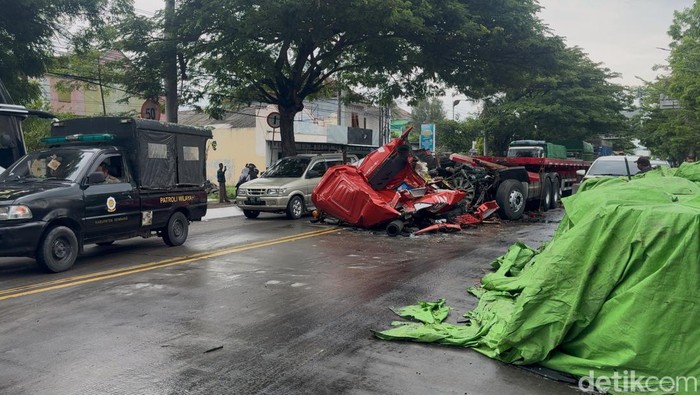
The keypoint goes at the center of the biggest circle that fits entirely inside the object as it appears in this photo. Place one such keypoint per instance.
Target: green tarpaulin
(614, 294)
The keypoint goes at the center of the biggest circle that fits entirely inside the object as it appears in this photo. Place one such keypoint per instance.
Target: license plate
(254, 201)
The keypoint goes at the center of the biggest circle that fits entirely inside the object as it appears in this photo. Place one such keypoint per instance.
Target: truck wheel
(295, 208)
(546, 194)
(252, 214)
(510, 196)
(58, 250)
(394, 228)
(176, 232)
(556, 192)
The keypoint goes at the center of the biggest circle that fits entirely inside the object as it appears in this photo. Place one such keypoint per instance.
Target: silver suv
(287, 185)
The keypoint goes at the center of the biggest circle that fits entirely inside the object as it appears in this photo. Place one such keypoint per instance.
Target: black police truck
(100, 180)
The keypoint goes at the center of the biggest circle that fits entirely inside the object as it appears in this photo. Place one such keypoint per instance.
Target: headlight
(15, 212)
(277, 191)
(242, 191)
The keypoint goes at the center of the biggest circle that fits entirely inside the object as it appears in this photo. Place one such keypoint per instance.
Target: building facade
(244, 136)
(92, 98)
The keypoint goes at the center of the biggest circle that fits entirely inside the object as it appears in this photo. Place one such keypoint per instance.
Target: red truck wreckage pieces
(386, 190)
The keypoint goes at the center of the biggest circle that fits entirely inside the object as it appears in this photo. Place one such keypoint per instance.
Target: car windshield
(525, 152)
(293, 166)
(63, 164)
(617, 167)
(612, 168)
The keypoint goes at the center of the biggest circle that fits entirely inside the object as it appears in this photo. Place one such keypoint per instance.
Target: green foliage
(457, 136)
(675, 133)
(34, 129)
(427, 111)
(574, 100)
(27, 29)
(283, 51)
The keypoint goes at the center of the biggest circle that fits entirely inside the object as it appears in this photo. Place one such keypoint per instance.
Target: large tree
(283, 51)
(674, 130)
(575, 100)
(427, 111)
(29, 31)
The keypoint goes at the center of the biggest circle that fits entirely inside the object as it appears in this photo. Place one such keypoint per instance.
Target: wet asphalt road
(253, 306)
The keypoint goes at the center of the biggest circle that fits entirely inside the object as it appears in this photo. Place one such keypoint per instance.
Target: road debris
(213, 349)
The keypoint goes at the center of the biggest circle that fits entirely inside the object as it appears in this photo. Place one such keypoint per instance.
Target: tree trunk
(287, 130)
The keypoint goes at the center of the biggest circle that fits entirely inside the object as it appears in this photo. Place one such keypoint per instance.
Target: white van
(286, 186)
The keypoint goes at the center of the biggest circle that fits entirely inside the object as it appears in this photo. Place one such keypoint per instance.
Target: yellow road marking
(31, 289)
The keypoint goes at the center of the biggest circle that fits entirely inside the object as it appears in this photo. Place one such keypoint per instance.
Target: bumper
(20, 239)
(262, 203)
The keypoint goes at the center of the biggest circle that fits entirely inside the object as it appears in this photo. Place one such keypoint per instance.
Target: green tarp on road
(615, 292)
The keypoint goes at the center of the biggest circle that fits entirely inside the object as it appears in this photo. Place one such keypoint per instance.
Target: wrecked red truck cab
(384, 189)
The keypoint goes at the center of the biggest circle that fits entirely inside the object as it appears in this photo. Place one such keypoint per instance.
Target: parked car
(286, 186)
(615, 166)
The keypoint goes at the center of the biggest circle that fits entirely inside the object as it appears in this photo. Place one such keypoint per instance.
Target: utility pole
(99, 81)
(170, 59)
(340, 104)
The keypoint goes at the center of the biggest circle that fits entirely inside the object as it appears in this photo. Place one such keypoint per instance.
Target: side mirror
(312, 174)
(96, 178)
(580, 173)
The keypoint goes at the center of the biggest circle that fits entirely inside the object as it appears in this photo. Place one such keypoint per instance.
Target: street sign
(274, 120)
(150, 110)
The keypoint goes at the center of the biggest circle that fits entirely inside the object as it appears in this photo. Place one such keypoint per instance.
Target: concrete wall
(234, 148)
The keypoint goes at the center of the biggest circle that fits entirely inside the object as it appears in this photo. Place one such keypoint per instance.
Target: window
(64, 96)
(290, 166)
(355, 120)
(157, 151)
(115, 168)
(332, 163)
(190, 153)
(319, 167)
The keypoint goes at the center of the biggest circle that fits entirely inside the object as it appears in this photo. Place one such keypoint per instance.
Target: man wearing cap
(643, 164)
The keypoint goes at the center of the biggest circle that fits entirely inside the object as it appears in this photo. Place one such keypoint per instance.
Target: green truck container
(577, 149)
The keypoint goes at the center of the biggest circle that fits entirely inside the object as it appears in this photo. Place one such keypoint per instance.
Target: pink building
(91, 99)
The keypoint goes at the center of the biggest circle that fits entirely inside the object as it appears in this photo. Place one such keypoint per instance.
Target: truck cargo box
(162, 155)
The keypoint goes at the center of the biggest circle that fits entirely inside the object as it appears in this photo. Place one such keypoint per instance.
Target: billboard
(427, 136)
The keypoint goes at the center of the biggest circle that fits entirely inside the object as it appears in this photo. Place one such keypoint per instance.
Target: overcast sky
(624, 35)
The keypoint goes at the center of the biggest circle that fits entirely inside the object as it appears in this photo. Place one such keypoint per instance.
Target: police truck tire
(295, 208)
(510, 196)
(176, 232)
(252, 214)
(58, 250)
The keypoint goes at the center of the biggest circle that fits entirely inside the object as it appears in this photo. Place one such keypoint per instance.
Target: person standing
(643, 164)
(245, 176)
(221, 179)
(253, 172)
